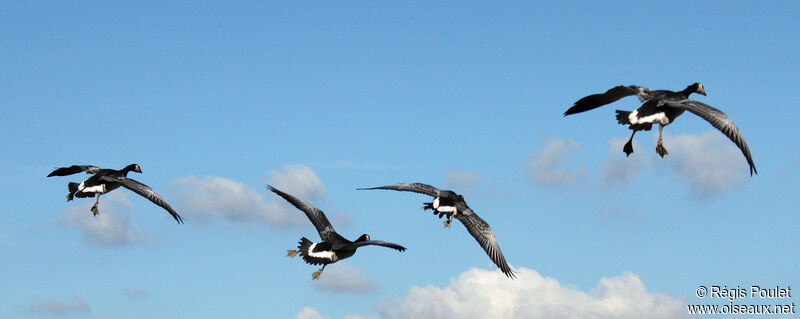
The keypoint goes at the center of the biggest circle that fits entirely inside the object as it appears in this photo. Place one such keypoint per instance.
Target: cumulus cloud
(309, 313)
(299, 181)
(54, 307)
(466, 182)
(480, 293)
(344, 278)
(547, 166)
(709, 161)
(111, 227)
(214, 197)
(620, 169)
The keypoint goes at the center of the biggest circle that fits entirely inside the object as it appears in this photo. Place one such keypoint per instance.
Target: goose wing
(377, 243)
(146, 192)
(481, 231)
(316, 216)
(597, 100)
(64, 171)
(410, 187)
(719, 120)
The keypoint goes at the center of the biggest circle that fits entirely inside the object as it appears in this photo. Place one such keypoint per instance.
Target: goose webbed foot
(628, 148)
(661, 150)
(94, 209)
(315, 275)
(448, 222)
(291, 253)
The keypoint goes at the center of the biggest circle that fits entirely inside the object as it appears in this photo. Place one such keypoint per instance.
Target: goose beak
(701, 90)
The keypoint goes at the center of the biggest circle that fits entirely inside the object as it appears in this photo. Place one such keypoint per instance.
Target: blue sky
(214, 100)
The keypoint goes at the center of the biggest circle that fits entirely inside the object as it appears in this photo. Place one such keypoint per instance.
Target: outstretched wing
(146, 192)
(412, 187)
(721, 121)
(597, 100)
(64, 171)
(316, 216)
(481, 231)
(377, 243)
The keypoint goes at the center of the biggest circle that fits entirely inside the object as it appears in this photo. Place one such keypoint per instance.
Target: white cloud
(480, 293)
(546, 167)
(620, 169)
(465, 182)
(300, 181)
(53, 307)
(709, 161)
(223, 198)
(218, 197)
(309, 313)
(111, 227)
(344, 278)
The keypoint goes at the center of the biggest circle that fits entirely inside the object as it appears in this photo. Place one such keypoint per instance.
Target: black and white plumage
(449, 203)
(105, 180)
(333, 246)
(662, 107)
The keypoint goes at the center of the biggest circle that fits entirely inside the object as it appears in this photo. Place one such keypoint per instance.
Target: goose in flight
(333, 246)
(105, 180)
(662, 107)
(449, 203)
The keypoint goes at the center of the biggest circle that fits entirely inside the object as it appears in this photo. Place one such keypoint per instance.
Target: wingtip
(510, 273)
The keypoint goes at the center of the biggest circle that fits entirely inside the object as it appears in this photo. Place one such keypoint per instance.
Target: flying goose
(449, 203)
(662, 107)
(105, 180)
(333, 246)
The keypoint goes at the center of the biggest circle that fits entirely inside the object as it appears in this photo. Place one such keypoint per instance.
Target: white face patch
(320, 254)
(659, 117)
(435, 203)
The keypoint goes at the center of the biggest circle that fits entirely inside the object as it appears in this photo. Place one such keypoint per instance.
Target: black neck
(688, 90)
(127, 169)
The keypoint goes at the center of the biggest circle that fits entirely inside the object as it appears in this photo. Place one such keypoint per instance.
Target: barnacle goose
(333, 246)
(662, 107)
(105, 180)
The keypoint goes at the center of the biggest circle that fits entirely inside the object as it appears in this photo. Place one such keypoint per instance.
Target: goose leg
(448, 221)
(315, 275)
(628, 148)
(94, 209)
(291, 253)
(660, 149)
